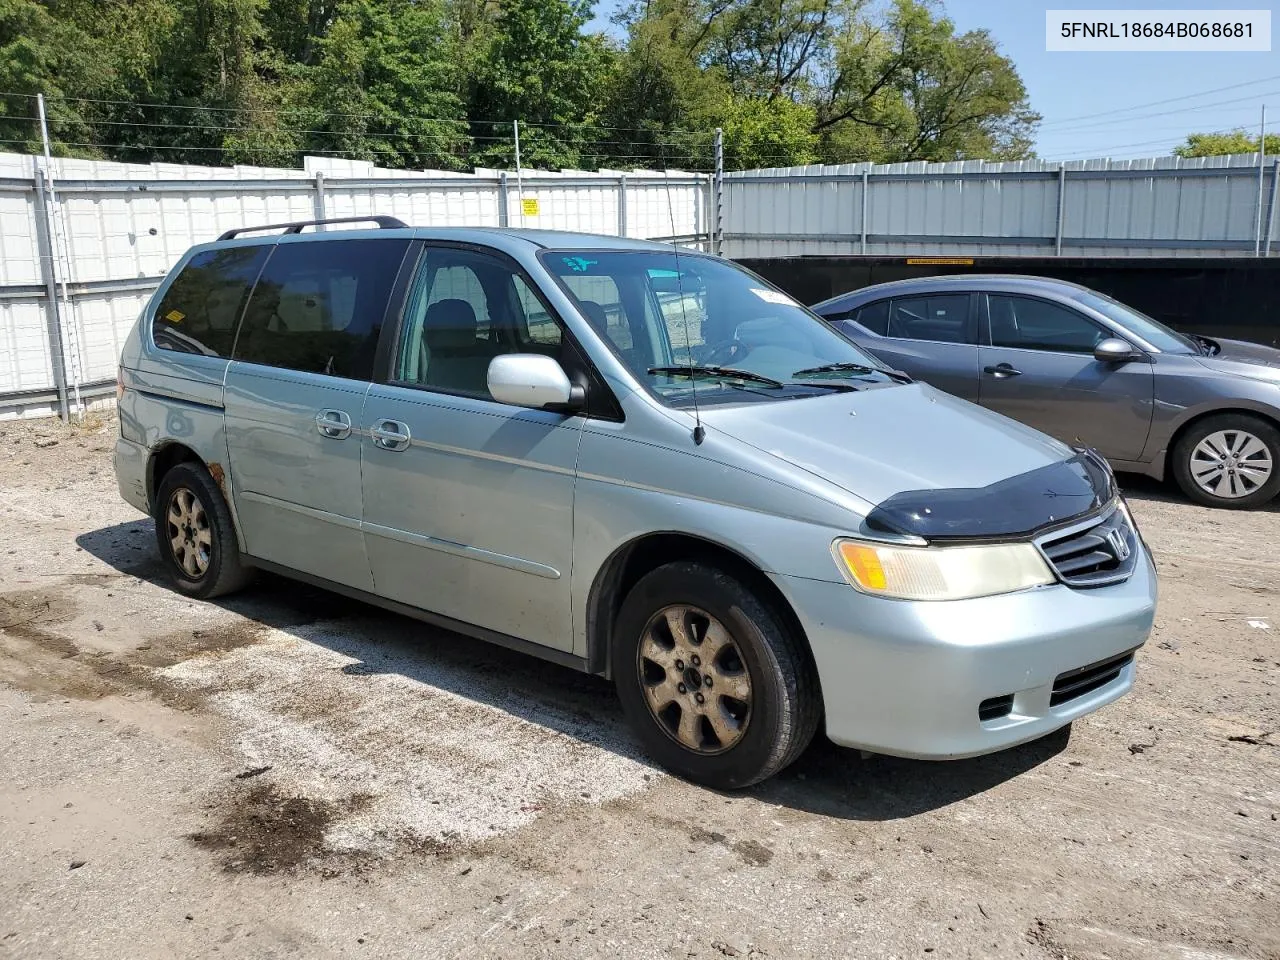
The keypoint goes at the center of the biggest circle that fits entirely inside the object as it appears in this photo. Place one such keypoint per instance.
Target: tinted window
(874, 316)
(454, 326)
(318, 306)
(202, 306)
(1039, 325)
(944, 318)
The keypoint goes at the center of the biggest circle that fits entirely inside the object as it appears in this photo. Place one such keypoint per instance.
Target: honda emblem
(1119, 543)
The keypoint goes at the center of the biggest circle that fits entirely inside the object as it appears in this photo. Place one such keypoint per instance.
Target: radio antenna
(699, 432)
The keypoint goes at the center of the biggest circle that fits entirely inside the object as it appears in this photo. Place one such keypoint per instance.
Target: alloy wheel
(1231, 464)
(190, 536)
(694, 679)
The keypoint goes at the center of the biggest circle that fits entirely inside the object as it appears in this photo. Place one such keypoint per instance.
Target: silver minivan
(638, 461)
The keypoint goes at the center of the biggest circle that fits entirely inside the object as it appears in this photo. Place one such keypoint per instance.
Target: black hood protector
(1018, 505)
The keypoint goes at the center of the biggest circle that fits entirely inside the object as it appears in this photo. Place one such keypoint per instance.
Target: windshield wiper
(1207, 347)
(853, 368)
(706, 370)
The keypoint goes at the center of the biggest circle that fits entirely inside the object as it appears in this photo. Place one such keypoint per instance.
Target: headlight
(941, 573)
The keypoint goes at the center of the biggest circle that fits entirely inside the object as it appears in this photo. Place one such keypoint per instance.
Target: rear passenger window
(874, 316)
(942, 318)
(202, 306)
(318, 306)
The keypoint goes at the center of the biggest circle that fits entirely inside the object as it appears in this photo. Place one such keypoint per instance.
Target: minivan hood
(1245, 359)
(887, 441)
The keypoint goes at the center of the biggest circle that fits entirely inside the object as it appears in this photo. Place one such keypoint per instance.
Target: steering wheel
(723, 352)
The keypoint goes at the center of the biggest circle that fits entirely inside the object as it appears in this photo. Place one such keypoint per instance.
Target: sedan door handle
(1002, 370)
(390, 434)
(334, 424)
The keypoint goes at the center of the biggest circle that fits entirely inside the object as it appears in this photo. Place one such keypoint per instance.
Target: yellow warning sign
(529, 206)
(175, 316)
(946, 261)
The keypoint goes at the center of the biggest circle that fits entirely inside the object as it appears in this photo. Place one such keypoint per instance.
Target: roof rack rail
(384, 223)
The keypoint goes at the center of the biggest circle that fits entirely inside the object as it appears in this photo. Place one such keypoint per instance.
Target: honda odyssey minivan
(638, 461)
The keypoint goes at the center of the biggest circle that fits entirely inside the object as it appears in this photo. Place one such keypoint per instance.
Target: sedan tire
(1229, 460)
(715, 683)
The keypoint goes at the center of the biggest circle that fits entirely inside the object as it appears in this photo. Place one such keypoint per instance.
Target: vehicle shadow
(827, 780)
(1137, 486)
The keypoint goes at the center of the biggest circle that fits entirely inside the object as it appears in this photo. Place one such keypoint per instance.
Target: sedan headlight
(941, 573)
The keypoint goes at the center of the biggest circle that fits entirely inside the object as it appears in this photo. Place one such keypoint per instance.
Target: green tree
(42, 50)
(768, 133)
(1225, 142)
(909, 88)
(533, 63)
(385, 87)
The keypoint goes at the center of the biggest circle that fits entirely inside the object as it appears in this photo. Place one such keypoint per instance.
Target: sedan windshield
(686, 322)
(1149, 329)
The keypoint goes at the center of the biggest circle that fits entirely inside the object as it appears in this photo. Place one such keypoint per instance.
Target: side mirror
(533, 380)
(1115, 350)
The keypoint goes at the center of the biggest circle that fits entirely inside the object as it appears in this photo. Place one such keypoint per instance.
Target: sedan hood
(921, 450)
(1245, 359)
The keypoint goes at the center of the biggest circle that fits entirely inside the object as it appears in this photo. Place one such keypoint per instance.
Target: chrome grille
(1093, 554)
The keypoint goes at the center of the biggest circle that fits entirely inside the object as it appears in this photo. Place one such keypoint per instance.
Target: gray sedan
(1086, 369)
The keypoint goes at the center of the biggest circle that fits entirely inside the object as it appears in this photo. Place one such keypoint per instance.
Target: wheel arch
(631, 561)
(163, 458)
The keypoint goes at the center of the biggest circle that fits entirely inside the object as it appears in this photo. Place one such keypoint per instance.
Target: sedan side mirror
(533, 380)
(1115, 350)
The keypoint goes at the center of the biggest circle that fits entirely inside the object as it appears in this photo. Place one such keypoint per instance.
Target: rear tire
(1230, 460)
(195, 535)
(713, 681)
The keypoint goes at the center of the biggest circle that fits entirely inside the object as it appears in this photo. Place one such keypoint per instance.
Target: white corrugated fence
(116, 228)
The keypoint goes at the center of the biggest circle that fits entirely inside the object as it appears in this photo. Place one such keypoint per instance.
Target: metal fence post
(1271, 209)
(504, 202)
(49, 274)
(717, 194)
(622, 204)
(866, 189)
(318, 204)
(1062, 210)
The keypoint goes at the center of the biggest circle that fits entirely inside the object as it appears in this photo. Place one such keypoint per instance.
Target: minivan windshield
(690, 322)
(1148, 328)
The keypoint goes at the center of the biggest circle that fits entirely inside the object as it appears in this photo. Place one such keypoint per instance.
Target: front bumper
(907, 678)
(130, 462)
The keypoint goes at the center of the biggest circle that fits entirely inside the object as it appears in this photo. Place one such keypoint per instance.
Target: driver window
(464, 309)
(1028, 324)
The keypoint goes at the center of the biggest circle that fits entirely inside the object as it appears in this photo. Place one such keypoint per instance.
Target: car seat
(452, 355)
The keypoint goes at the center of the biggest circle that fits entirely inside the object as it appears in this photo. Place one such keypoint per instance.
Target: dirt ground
(290, 773)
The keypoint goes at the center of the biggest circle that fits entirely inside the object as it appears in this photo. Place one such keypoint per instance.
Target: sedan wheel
(1231, 464)
(1229, 460)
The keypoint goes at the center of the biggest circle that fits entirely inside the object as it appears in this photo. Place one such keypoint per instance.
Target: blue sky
(1080, 94)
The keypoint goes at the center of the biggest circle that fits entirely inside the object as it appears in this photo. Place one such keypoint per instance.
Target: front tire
(196, 537)
(713, 681)
(1230, 460)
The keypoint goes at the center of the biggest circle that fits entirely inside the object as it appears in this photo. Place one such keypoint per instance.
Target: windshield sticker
(773, 296)
(175, 316)
(578, 264)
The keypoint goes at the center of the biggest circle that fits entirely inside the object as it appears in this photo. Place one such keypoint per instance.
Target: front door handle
(390, 434)
(334, 424)
(1002, 370)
